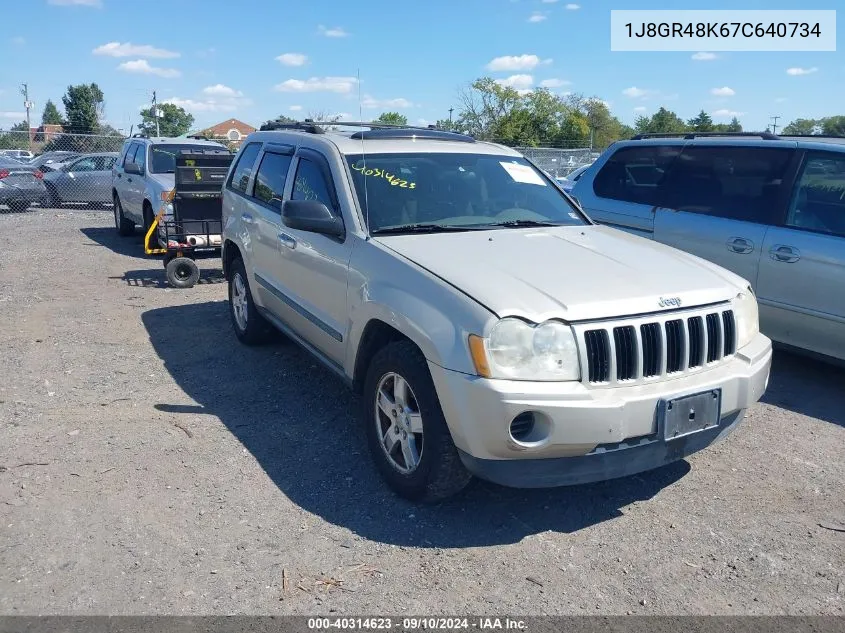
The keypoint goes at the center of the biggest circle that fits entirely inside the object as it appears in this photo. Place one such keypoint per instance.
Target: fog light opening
(529, 428)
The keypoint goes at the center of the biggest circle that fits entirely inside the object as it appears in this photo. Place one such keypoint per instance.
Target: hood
(574, 273)
(165, 181)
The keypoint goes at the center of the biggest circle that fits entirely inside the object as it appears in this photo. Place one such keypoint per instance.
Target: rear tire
(124, 227)
(439, 472)
(53, 199)
(250, 326)
(182, 272)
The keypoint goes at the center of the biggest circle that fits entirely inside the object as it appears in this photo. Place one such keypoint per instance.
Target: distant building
(231, 132)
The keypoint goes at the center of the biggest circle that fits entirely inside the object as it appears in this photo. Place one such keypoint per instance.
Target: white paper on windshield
(523, 173)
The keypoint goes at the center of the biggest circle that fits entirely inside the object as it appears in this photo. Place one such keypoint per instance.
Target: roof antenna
(363, 159)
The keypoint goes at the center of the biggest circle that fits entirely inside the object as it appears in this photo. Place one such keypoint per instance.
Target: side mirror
(312, 216)
(134, 168)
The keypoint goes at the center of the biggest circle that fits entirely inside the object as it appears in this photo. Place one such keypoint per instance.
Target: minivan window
(310, 184)
(243, 168)
(270, 179)
(633, 174)
(819, 200)
(741, 183)
(456, 191)
(130, 153)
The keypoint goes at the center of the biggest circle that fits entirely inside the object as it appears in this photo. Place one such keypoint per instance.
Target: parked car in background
(84, 179)
(568, 181)
(20, 185)
(771, 209)
(490, 327)
(144, 175)
(48, 161)
(18, 154)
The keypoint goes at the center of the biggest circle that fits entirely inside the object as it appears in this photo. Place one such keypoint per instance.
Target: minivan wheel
(407, 433)
(251, 328)
(124, 227)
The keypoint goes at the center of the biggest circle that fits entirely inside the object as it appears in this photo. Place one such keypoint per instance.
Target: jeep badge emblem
(665, 302)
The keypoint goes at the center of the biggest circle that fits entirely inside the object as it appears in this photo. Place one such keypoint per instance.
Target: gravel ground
(151, 465)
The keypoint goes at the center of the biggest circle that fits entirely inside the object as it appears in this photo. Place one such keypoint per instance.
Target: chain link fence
(54, 169)
(559, 162)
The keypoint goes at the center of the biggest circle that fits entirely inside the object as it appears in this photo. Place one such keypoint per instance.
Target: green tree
(172, 120)
(484, 106)
(801, 127)
(16, 138)
(833, 126)
(51, 114)
(702, 122)
(446, 124)
(392, 118)
(83, 107)
(661, 122)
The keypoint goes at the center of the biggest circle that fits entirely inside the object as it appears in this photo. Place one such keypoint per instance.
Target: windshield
(456, 190)
(163, 157)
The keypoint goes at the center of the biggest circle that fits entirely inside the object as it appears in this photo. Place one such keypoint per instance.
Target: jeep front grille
(656, 346)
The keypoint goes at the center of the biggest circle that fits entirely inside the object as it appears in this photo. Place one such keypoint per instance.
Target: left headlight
(517, 350)
(747, 317)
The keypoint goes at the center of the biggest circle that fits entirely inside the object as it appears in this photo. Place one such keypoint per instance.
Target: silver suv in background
(143, 177)
(769, 208)
(490, 327)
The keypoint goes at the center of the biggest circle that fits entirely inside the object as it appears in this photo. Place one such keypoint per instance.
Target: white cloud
(76, 3)
(573, 7)
(795, 72)
(340, 85)
(727, 114)
(18, 41)
(554, 83)
(209, 105)
(640, 109)
(118, 49)
(516, 62)
(423, 122)
(549, 1)
(295, 108)
(292, 59)
(19, 116)
(636, 93)
(371, 104)
(219, 90)
(723, 92)
(333, 32)
(536, 17)
(520, 82)
(780, 99)
(704, 57)
(142, 67)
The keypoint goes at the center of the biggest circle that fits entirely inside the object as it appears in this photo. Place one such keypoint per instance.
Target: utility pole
(155, 113)
(450, 114)
(28, 105)
(775, 124)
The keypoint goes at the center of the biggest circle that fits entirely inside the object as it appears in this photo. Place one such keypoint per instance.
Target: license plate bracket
(682, 416)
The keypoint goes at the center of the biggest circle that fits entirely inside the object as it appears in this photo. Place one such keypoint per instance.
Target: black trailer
(190, 223)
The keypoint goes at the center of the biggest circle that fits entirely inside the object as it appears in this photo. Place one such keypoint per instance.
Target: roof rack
(691, 135)
(836, 136)
(375, 130)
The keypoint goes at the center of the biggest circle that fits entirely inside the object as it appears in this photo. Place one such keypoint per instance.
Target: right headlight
(517, 350)
(747, 317)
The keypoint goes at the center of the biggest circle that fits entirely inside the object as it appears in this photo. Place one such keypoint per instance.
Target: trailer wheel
(182, 272)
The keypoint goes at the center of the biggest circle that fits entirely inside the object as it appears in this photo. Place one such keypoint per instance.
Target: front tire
(53, 199)
(407, 433)
(124, 227)
(250, 327)
(182, 272)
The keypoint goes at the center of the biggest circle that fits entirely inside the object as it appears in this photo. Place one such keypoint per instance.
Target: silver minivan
(769, 208)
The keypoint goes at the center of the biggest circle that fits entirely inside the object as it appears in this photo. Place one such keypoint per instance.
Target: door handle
(784, 253)
(247, 218)
(287, 240)
(740, 245)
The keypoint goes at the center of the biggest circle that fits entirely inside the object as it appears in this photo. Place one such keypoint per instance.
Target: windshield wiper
(520, 223)
(427, 227)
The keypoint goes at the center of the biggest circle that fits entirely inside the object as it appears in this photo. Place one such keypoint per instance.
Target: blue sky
(256, 59)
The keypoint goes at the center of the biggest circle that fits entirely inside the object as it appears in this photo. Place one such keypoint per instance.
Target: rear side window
(243, 168)
(819, 200)
(310, 184)
(130, 154)
(633, 174)
(740, 183)
(270, 179)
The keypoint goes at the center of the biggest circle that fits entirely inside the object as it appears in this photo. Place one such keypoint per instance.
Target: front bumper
(591, 434)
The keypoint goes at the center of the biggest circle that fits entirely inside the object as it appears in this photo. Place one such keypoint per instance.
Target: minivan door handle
(740, 245)
(287, 240)
(784, 253)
